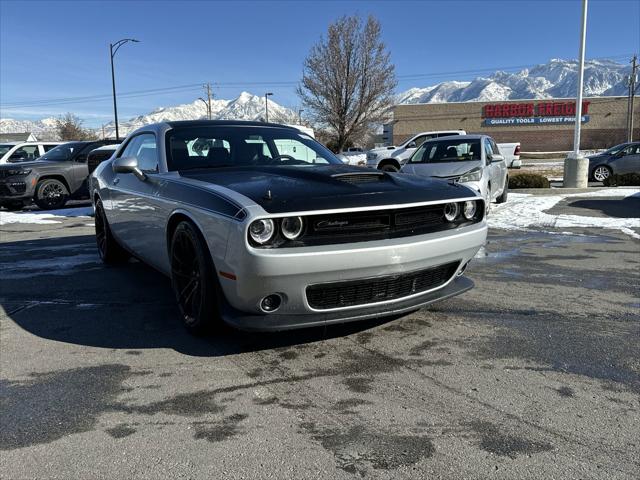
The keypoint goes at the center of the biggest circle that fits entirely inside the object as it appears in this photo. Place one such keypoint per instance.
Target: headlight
(451, 211)
(261, 231)
(291, 227)
(469, 209)
(16, 172)
(471, 176)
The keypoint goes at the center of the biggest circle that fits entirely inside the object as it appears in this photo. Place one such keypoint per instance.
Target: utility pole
(632, 94)
(208, 87)
(266, 105)
(576, 166)
(300, 110)
(103, 135)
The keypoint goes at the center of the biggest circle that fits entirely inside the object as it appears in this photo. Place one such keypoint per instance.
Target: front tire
(51, 194)
(503, 197)
(193, 280)
(601, 173)
(389, 167)
(109, 250)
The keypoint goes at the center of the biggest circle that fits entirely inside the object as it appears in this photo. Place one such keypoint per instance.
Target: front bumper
(15, 188)
(277, 322)
(288, 272)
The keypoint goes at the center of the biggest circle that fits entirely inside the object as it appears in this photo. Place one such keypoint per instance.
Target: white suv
(390, 159)
(14, 152)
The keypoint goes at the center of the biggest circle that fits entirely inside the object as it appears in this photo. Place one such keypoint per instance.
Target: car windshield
(445, 151)
(616, 149)
(62, 152)
(242, 146)
(4, 149)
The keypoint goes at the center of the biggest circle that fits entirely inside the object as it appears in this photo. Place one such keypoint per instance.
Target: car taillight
(517, 150)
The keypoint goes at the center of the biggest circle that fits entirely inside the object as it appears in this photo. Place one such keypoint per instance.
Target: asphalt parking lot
(535, 373)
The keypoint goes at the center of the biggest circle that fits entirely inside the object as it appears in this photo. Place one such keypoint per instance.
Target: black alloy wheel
(51, 194)
(108, 248)
(194, 284)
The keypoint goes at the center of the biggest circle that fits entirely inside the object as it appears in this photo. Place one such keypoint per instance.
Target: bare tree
(69, 127)
(348, 80)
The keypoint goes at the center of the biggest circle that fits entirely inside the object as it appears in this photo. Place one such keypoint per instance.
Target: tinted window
(143, 147)
(48, 147)
(63, 152)
(225, 146)
(4, 149)
(443, 151)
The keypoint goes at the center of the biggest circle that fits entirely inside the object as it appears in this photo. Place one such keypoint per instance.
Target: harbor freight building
(544, 125)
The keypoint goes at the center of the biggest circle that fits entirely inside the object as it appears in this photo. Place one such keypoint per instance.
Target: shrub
(528, 180)
(624, 180)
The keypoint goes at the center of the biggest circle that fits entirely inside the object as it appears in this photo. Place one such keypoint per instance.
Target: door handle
(116, 181)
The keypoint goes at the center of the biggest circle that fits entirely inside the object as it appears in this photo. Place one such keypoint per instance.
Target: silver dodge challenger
(261, 227)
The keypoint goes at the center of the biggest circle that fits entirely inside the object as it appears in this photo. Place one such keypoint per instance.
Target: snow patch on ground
(44, 217)
(525, 211)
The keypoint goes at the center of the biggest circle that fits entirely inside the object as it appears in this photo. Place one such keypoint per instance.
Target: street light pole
(300, 110)
(576, 166)
(266, 105)
(113, 48)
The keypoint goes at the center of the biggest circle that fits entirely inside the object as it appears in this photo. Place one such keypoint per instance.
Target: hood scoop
(355, 178)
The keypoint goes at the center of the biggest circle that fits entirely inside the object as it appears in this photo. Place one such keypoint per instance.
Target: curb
(615, 191)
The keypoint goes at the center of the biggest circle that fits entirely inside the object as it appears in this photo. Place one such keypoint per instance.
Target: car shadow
(628, 207)
(58, 289)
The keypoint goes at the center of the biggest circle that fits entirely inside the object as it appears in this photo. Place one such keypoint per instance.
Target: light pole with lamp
(113, 48)
(576, 166)
(266, 105)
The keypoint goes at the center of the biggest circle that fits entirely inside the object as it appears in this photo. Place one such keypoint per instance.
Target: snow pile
(44, 217)
(525, 211)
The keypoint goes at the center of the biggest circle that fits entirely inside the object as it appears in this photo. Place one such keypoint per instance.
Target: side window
(24, 154)
(48, 147)
(144, 148)
(421, 139)
(297, 150)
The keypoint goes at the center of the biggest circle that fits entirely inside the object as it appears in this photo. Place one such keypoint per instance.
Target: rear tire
(51, 194)
(109, 250)
(503, 197)
(193, 280)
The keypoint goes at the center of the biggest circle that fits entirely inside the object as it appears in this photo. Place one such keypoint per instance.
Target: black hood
(294, 189)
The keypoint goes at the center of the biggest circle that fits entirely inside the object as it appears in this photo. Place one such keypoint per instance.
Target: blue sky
(59, 49)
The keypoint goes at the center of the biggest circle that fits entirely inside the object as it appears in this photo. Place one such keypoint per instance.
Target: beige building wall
(607, 125)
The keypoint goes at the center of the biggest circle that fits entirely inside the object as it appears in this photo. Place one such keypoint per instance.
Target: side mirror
(411, 145)
(496, 158)
(128, 165)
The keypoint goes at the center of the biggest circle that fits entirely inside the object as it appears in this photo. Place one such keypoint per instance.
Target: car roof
(226, 123)
(458, 137)
(31, 143)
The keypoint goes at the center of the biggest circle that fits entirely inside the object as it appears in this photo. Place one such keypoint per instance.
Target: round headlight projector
(261, 231)
(451, 211)
(291, 227)
(469, 210)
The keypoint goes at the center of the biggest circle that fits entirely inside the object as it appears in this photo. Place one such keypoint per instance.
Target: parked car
(472, 160)
(623, 158)
(268, 241)
(14, 152)
(353, 156)
(99, 155)
(51, 180)
(390, 159)
(511, 154)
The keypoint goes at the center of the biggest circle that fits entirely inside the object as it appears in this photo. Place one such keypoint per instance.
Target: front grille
(379, 289)
(375, 224)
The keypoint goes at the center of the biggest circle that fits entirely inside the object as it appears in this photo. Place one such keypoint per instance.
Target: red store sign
(540, 109)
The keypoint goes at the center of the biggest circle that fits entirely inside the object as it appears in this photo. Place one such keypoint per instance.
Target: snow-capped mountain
(245, 107)
(556, 79)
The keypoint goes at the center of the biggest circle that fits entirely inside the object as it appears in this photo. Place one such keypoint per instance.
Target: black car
(623, 158)
(51, 180)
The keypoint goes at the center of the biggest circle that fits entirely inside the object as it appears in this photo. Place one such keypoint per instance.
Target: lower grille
(379, 289)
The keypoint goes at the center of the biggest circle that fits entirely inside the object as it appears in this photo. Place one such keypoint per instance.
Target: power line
(228, 85)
